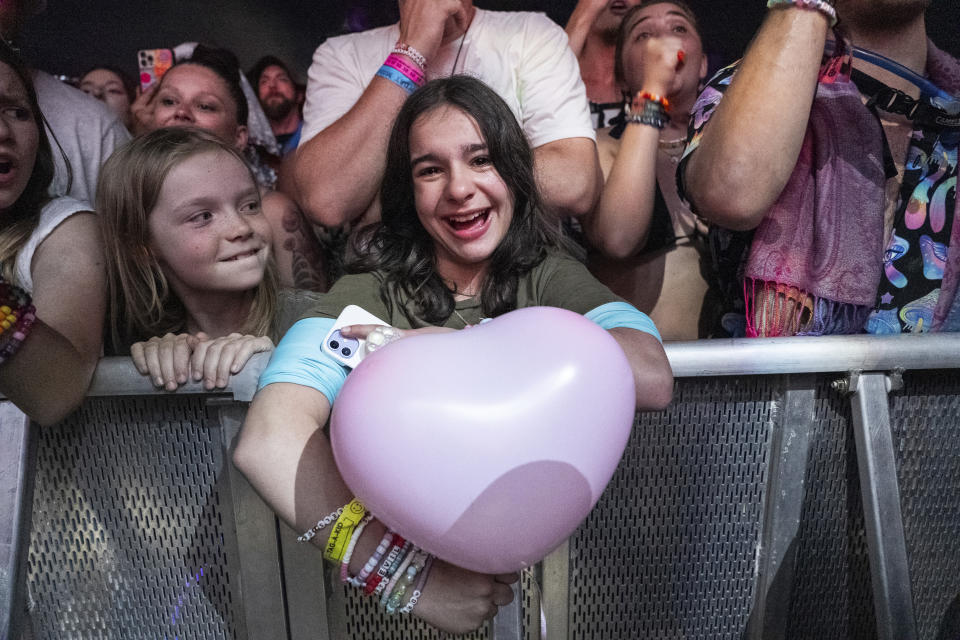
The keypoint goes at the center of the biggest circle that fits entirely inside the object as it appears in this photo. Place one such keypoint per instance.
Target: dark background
(69, 37)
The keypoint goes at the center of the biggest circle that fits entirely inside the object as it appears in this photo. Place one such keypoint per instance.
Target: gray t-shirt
(87, 131)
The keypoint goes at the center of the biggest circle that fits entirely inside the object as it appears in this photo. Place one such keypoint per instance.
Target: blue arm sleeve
(621, 314)
(298, 359)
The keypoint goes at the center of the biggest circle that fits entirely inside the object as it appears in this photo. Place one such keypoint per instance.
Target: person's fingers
(228, 355)
(181, 358)
(250, 346)
(502, 594)
(360, 331)
(196, 361)
(152, 359)
(211, 362)
(165, 355)
(139, 359)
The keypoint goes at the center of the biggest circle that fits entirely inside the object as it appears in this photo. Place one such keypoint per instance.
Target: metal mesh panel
(669, 551)
(926, 429)
(832, 598)
(130, 532)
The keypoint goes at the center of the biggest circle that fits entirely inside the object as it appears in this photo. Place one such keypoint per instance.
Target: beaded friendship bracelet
(418, 590)
(17, 315)
(376, 581)
(361, 579)
(345, 565)
(406, 50)
(403, 564)
(392, 570)
(397, 574)
(320, 526)
(409, 574)
(646, 95)
(823, 6)
(648, 112)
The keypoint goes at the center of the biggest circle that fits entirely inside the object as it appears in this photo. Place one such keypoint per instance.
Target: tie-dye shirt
(915, 258)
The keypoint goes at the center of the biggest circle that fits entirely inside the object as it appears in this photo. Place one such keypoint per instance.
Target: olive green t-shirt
(558, 281)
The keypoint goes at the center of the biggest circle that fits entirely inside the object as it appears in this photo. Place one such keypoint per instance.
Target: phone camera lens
(334, 345)
(346, 352)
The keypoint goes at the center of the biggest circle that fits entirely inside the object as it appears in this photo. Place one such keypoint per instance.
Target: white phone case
(348, 351)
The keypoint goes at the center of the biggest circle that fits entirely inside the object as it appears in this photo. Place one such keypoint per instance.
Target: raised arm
(556, 118)
(581, 21)
(752, 142)
(337, 173)
(619, 225)
(48, 377)
(568, 174)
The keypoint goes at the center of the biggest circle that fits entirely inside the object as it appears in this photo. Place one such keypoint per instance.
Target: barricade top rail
(117, 376)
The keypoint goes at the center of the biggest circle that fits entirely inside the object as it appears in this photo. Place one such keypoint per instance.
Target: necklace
(463, 39)
(462, 319)
(673, 148)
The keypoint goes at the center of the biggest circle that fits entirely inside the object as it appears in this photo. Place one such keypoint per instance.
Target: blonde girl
(193, 287)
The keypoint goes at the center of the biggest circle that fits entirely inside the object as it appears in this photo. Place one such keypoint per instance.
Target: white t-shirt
(87, 130)
(522, 56)
(52, 214)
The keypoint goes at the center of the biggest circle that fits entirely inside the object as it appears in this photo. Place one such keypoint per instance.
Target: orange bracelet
(646, 95)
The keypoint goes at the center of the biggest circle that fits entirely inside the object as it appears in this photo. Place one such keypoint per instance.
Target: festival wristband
(397, 78)
(342, 531)
(621, 314)
(412, 72)
(299, 359)
(824, 7)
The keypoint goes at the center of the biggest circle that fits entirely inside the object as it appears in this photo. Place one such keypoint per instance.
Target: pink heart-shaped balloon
(487, 447)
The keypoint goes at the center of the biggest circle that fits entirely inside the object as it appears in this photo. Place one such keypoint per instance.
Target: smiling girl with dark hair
(463, 238)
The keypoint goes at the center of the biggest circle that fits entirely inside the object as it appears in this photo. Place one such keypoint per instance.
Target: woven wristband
(397, 78)
(823, 6)
(342, 531)
(402, 65)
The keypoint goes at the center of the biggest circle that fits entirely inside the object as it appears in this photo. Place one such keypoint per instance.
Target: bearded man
(280, 100)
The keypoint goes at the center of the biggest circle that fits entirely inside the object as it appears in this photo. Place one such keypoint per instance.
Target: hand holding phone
(153, 63)
(345, 350)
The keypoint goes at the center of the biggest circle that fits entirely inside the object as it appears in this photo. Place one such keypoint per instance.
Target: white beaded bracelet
(406, 50)
(317, 528)
(822, 6)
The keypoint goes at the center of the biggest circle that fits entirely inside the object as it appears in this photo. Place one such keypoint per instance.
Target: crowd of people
(453, 167)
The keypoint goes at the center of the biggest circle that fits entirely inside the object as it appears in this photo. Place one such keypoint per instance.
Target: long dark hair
(19, 221)
(402, 250)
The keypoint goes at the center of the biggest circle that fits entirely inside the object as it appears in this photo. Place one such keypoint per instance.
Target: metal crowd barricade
(796, 488)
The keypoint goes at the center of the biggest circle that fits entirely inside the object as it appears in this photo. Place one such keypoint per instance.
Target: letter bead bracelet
(400, 561)
(823, 6)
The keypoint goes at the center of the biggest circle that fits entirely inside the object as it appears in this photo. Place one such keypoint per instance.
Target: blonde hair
(142, 303)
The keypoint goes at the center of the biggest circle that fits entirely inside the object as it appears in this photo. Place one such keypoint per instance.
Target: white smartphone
(348, 351)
